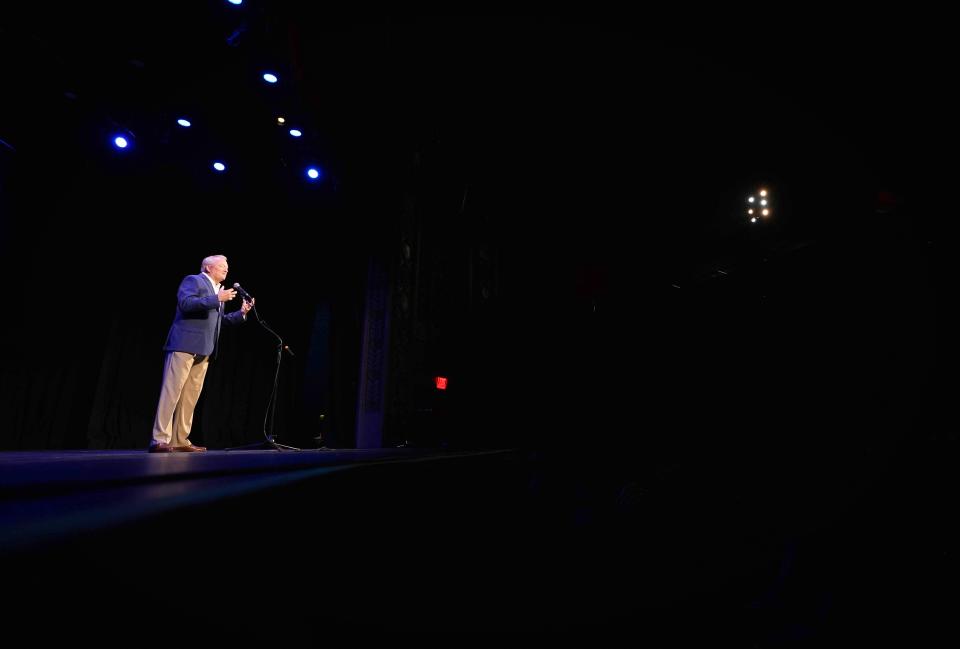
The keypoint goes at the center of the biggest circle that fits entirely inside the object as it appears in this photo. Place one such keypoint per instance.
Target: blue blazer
(196, 326)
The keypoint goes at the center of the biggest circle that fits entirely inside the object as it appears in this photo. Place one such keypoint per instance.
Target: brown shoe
(160, 447)
(189, 448)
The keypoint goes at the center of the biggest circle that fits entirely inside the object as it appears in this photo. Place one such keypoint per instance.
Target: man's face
(218, 271)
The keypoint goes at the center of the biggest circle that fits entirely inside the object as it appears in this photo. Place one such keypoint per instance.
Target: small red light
(441, 382)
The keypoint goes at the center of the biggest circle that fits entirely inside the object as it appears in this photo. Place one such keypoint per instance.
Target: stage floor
(431, 548)
(51, 495)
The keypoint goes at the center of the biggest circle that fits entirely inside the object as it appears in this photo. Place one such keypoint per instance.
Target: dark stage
(414, 547)
(598, 332)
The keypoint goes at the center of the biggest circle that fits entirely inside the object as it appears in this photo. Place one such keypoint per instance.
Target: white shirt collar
(216, 287)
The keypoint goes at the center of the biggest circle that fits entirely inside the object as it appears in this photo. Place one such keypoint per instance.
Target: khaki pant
(183, 378)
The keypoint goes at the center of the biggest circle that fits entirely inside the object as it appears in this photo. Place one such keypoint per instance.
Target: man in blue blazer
(191, 343)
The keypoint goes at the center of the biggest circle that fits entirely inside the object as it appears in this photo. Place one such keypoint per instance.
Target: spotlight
(219, 166)
(185, 123)
(751, 199)
(765, 212)
(753, 219)
(281, 121)
(295, 132)
(120, 142)
(235, 2)
(269, 77)
(313, 173)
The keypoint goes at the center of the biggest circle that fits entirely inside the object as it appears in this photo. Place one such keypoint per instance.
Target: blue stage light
(295, 132)
(313, 173)
(120, 142)
(184, 122)
(219, 166)
(269, 77)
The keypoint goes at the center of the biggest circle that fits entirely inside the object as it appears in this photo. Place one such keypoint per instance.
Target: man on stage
(191, 343)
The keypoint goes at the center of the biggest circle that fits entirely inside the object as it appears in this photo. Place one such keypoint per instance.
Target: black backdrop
(600, 167)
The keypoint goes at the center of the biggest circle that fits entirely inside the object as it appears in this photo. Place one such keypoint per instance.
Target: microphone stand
(269, 441)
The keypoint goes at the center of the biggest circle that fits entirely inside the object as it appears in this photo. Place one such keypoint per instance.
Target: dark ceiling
(577, 96)
(611, 122)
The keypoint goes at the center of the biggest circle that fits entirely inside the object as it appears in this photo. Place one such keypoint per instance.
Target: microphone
(239, 289)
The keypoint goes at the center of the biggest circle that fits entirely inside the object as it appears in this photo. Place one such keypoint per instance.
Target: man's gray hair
(209, 261)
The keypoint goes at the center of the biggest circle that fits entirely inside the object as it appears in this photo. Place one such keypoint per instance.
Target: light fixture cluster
(123, 140)
(759, 206)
